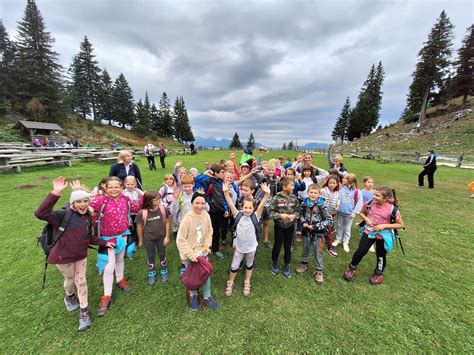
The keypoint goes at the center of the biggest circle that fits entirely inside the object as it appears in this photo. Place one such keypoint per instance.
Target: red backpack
(197, 274)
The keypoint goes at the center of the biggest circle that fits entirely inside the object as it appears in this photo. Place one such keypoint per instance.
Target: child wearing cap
(69, 253)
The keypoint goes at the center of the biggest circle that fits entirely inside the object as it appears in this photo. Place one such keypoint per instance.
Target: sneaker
(211, 303)
(104, 304)
(229, 290)
(275, 269)
(376, 278)
(318, 277)
(346, 247)
(219, 255)
(372, 249)
(123, 285)
(267, 244)
(84, 321)
(181, 272)
(71, 302)
(287, 271)
(336, 243)
(350, 272)
(332, 252)
(302, 268)
(222, 246)
(246, 290)
(194, 303)
(298, 238)
(152, 278)
(164, 275)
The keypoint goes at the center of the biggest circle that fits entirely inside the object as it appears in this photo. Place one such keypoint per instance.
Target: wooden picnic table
(17, 161)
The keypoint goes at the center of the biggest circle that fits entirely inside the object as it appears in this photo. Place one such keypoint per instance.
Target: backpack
(356, 196)
(149, 151)
(255, 223)
(196, 274)
(145, 215)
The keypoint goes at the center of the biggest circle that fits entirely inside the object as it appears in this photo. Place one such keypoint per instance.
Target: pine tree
(105, 94)
(85, 74)
(39, 72)
(147, 107)
(164, 127)
(251, 142)
(284, 146)
(340, 128)
(235, 144)
(8, 72)
(432, 67)
(142, 123)
(187, 133)
(178, 114)
(123, 106)
(464, 82)
(291, 146)
(154, 118)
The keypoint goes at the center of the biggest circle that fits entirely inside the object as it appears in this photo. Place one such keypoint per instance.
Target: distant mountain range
(212, 142)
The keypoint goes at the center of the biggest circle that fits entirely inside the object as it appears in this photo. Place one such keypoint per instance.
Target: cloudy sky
(280, 69)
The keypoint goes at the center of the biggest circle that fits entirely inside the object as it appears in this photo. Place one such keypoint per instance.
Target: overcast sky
(279, 69)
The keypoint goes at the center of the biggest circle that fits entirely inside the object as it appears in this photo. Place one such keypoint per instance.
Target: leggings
(283, 237)
(380, 252)
(162, 161)
(227, 224)
(151, 247)
(116, 263)
(75, 274)
(238, 257)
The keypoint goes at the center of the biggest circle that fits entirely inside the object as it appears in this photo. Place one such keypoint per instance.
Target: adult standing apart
(162, 154)
(429, 169)
(126, 167)
(335, 162)
(193, 148)
(150, 155)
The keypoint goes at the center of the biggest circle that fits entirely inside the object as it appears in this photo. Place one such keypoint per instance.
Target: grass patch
(424, 305)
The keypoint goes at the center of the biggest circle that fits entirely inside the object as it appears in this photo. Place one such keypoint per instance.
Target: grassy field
(424, 305)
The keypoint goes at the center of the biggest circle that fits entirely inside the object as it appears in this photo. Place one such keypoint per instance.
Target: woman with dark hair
(126, 167)
(429, 169)
(162, 154)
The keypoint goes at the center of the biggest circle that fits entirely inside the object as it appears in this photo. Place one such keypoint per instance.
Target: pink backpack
(145, 215)
(197, 274)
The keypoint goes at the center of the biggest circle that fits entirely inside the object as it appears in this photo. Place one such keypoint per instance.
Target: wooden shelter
(32, 129)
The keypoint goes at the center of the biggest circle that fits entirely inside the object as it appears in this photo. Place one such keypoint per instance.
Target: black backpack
(255, 222)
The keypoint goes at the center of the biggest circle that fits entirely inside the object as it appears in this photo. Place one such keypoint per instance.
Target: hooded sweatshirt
(187, 239)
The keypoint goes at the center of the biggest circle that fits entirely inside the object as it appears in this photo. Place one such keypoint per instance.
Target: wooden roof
(39, 125)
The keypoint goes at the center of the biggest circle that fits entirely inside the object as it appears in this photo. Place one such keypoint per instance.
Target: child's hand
(110, 245)
(380, 227)
(59, 184)
(166, 241)
(232, 156)
(193, 258)
(369, 223)
(226, 214)
(178, 163)
(200, 190)
(265, 188)
(76, 185)
(225, 187)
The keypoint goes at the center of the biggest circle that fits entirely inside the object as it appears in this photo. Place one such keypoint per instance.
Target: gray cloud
(279, 69)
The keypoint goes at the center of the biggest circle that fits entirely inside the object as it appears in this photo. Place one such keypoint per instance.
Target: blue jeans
(206, 288)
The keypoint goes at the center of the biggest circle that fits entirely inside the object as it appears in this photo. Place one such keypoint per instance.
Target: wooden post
(460, 158)
(417, 156)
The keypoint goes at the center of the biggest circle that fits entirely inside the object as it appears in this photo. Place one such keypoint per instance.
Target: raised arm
(266, 189)
(225, 190)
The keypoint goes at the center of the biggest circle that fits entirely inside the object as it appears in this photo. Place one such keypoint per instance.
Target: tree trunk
(464, 100)
(423, 106)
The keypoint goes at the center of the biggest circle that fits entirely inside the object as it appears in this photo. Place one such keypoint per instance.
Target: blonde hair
(351, 181)
(122, 154)
(130, 178)
(168, 176)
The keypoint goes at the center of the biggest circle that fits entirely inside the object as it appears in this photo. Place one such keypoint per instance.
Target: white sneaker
(372, 249)
(336, 243)
(346, 247)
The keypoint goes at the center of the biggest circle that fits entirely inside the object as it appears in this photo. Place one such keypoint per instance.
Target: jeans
(317, 242)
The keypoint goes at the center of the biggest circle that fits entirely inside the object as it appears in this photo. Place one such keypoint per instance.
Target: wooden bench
(107, 159)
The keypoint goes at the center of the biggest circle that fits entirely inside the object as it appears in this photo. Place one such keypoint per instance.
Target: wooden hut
(32, 129)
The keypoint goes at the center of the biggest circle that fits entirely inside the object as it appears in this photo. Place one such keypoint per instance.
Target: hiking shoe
(372, 249)
(123, 285)
(164, 275)
(211, 303)
(194, 303)
(318, 277)
(219, 255)
(229, 290)
(376, 278)
(302, 268)
(246, 290)
(349, 273)
(275, 269)
(84, 321)
(104, 304)
(71, 302)
(332, 252)
(183, 269)
(287, 271)
(346, 247)
(152, 278)
(267, 244)
(336, 243)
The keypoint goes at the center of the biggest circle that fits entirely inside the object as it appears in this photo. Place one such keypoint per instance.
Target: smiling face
(313, 194)
(369, 184)
(199, 204)
(130, 186)
(229, 178)
(379, 198)
(81, 206)
(308, 159)
(270, 170)
(114, 189)
(248, 208)
(169, 181)
(188, 188)
(306, 173)
(345, 182)
(245, 191)
(332, 184)
(288, 188)
(127, 158)
(244, 170)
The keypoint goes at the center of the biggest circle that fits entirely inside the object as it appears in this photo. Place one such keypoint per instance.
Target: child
(153, 229)
(194, 172)
(315, 219)
(169, 193)
(246, 236)
(100, 189)
(308, 179)
(330, 194)
(179, 172)
(134, 194)
(335, 162)
(212, 187)
(247, 189)
(69, 253)
(368, 192)
(114, 222)
(350, 203)
(194, 239)
(300, 186)
(234, 194)
(381, 218)
(284, 210)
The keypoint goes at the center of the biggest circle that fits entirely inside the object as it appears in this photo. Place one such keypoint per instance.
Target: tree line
(436, 80)
(235, 143)
(34, 84)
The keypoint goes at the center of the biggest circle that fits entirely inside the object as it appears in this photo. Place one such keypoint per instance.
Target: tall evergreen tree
(340, 128)
(235, 144)
(147, 107)
(8, 72)
(142, 123)
(105, 95)
(39, 72)
(284, 146)
(182, 128)
(123, 106)
(464, 82)
(432, 67)
(291, 146)
(85, 74)
(154, 118)
(164, 127)
(251, 142)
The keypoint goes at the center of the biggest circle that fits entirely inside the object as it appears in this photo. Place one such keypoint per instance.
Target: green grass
(424, 305)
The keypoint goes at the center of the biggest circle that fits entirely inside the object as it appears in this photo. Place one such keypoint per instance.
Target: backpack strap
(356, 196)
(254, 219)
(144, 216)
(101, 214)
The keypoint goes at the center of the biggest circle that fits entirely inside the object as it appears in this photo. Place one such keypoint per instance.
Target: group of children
(199, 209)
